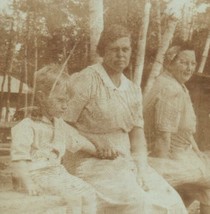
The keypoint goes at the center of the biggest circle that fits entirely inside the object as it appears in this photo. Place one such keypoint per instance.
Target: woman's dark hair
(109, 35)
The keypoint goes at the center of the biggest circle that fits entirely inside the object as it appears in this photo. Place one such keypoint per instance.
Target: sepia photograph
(104, 107)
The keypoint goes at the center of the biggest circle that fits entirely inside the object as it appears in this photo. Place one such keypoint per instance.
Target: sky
(4, 4)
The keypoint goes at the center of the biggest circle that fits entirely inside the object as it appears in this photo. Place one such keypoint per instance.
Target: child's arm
(21, 170)
(22, 140)
(87, 146)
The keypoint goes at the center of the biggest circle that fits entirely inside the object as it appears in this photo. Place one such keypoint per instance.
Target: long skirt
(187, 171)
(118, 191)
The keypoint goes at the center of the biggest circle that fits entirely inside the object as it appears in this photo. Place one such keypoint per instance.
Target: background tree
(140, 53)
(47, 31)
(96, 22)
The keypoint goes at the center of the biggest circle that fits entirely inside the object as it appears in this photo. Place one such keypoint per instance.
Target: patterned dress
(42, 144)
(168, 108)
(106, 114)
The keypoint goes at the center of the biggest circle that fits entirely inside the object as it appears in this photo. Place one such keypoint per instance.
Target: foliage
(51, 28)
(57, 25)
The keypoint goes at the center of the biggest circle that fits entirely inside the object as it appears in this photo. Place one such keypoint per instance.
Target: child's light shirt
(43, 143)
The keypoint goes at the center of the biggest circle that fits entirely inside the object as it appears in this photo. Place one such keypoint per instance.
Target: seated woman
(170, 123)
(106, 108)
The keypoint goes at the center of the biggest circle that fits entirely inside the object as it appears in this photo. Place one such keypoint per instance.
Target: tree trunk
(26, 76)
(64, 48)
(96, 26)
(36, 53)
(86, 57)
(7, 66)
(187, 16)
(8, 98)
(35, 68)
(35, 39)
(2, 94)
(26, 60)
(9, 87)
(205, 54)
(190, 22)
(184, 27)
(138, 70)
(20, 92)
(157, 65)
(159, 22)
(191, 29)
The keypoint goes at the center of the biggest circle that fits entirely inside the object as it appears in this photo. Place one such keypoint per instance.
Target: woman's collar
(108, 82)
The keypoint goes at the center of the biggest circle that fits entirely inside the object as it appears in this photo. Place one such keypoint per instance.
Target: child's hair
(49, 77)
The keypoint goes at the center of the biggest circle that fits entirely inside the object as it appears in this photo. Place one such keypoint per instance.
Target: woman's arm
(139, 154)
(138, 148)
(162, 144)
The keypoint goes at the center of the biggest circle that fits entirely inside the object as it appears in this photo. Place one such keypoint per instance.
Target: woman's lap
(162, 195)
(116, 185)
(188, 172)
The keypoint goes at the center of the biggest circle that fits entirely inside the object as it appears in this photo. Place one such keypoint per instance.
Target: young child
(38, 144)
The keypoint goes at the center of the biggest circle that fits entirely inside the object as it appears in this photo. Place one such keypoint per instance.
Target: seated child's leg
(73, 189)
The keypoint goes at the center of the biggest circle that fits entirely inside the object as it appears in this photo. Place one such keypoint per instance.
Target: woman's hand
(143, 179)
(106, 152)
(32, 188)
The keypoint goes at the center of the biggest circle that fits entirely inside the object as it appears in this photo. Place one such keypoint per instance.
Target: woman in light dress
(106, 108)
(170, 123)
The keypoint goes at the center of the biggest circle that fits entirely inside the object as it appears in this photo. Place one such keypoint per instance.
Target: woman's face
(184, 66)
(117, 54)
